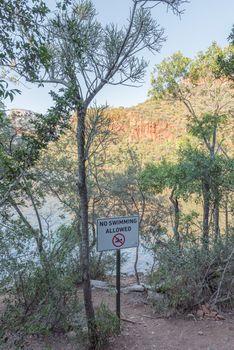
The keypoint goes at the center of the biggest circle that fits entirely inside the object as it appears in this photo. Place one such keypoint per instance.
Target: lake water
(53, 216)
(145, 260)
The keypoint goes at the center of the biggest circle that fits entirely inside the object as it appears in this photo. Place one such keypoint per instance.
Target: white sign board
(117, 233)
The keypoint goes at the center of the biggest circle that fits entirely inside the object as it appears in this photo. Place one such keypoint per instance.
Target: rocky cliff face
(156, 131)
(21, 120)
(133, 125)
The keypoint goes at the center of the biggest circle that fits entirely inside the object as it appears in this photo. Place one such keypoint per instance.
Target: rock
(205, 309)
(200, 313)
(192, 316)
(71, 334)
(148, 287)
(155, 297)
(213, 314)
(209, 312)
(219, 317)
(99, 284)
(133, 288)
(156, 288)
(200, 333)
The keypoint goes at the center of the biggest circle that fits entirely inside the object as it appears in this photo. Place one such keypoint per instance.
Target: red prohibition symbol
(118, 240)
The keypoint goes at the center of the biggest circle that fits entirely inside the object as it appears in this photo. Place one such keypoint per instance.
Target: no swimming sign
(117, 233)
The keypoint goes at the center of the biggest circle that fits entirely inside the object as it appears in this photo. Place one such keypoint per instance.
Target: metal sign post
(118, 283)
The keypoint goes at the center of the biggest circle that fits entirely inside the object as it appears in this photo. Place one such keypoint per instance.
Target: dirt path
(148, 332)
(142, 329)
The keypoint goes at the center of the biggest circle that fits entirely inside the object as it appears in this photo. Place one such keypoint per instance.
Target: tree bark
(206, 212)
(135, 266)
(84, 251)
(175, 202)
(226, 218)
(216, 221)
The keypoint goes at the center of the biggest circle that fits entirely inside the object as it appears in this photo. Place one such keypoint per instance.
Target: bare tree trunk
(174, 201)
(216, 221)
(100, 258)
(226, 218)
(206, 211)
(83, 196)
(135, 266)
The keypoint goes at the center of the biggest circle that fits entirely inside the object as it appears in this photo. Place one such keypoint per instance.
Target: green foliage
(46, 302)
(197, 83)
(101, 265)
(107, 325)
(226, 62)
(231, 36)
(181, 178)
(168, 74)
(39, 287)
(20, 150)
(200, 168)
(205, 165)
(190, 276)
(165, 175)
(84, 55)
(205, 63)
(5, 92)
(21, 43)
(205, 127)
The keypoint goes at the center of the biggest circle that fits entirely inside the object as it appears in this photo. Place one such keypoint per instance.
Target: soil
(150, 332)
(143, 329)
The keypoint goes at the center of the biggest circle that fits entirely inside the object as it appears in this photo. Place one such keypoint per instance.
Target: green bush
(107, 325)
(42, 301)
(101, 265)
(188, 275)
(41, 290)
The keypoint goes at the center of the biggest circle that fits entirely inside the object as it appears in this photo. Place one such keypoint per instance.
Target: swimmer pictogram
(118, 240)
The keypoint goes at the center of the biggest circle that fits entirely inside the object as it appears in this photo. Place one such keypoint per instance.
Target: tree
(36, 258)
(21, 42)
(231, 36)
(125, 190)
(211, 178)
(84, 57)
(226, 62)
(196, 83)
(30, 278)
(22, 51)
(208, 100)
(169, 176)
(20, 149)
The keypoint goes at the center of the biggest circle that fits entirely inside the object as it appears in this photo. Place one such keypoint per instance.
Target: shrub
(107, 324)
(101, 265)
(188, 275)
(42, 301)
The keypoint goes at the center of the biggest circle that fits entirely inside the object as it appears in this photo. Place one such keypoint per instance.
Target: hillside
(153, 128)
(149, 121)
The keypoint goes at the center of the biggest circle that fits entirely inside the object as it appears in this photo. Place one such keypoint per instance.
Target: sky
(203, 22)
